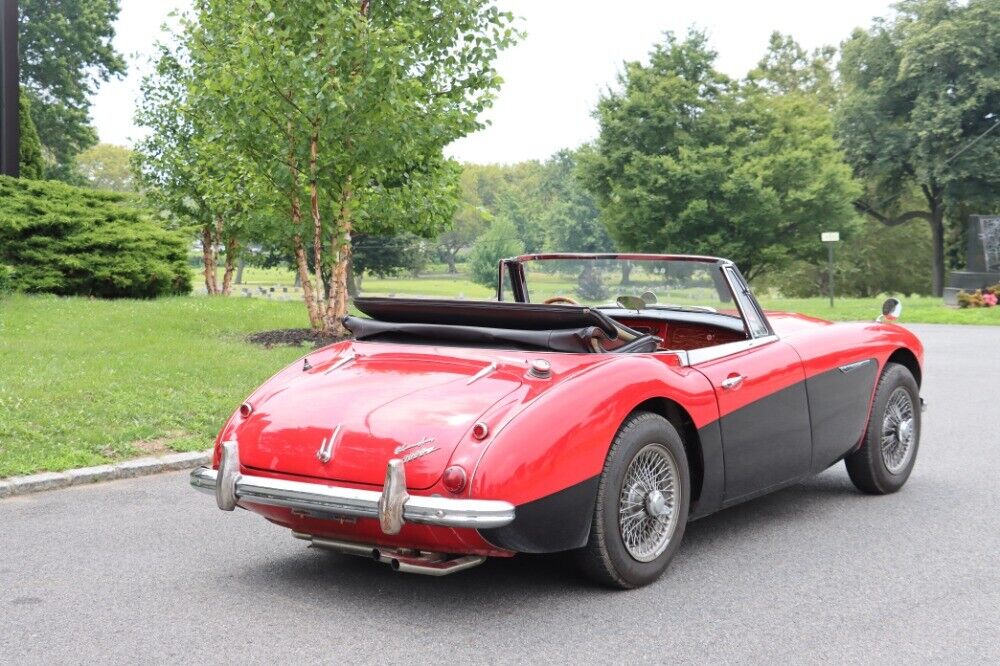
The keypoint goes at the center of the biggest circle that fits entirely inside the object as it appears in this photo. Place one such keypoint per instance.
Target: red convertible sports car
(448, 431)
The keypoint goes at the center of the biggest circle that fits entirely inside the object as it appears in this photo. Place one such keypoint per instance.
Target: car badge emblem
(325, 451)
(415, 450)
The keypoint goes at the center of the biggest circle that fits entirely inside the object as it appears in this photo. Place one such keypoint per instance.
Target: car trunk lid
(365, 410)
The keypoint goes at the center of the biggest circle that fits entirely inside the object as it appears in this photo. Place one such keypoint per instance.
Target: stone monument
(982, 256)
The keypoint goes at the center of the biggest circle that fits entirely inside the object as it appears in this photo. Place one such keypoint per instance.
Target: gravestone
(982, 258)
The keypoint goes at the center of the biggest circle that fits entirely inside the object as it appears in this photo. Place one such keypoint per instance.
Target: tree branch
(863, 207)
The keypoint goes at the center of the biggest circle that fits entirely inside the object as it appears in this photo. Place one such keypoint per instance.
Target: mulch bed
(293, 337)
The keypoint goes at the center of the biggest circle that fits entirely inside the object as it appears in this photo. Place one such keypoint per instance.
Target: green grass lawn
(85, 382)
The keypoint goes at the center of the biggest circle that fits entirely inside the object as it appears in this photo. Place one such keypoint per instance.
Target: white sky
(553, 78)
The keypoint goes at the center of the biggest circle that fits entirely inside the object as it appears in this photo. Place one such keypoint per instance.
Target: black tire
(606, 559)
(867, 467)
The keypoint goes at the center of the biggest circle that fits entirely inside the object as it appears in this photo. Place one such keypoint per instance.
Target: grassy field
(85, 382)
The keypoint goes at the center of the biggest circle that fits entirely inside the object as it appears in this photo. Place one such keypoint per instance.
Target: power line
(973, 142)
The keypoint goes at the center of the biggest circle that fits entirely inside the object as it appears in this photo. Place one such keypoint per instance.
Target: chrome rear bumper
(392, 507)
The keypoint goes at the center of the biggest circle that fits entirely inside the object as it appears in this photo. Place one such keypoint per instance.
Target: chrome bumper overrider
(392, 507)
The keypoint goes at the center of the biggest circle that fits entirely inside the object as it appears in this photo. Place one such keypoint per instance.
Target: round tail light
(246, 409)
(454, 479)
(480, 430)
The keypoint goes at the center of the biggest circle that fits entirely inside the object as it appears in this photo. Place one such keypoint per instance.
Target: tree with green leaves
(788, 68)
(520, 201)
(186, 172)
(690, 161)
(387, 256)
(920, 118)
(500, 241)
(571, 219)
(876, 260)
(343, 110)
(107, 167)
(471, 219)
(30, 156)
(66, 51)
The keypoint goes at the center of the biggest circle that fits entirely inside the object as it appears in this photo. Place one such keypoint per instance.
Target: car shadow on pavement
(313, 573)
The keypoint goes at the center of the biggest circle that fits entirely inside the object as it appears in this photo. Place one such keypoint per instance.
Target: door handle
(733, 382)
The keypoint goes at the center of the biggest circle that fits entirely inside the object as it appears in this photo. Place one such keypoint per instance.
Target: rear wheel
(889, 448)
(642, 504)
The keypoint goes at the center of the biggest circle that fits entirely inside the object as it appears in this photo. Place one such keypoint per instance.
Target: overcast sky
(553, 78)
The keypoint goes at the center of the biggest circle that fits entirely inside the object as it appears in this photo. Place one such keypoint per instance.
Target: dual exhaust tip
(399, 559)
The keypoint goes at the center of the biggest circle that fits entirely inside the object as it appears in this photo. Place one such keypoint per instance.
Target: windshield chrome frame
(731, 276)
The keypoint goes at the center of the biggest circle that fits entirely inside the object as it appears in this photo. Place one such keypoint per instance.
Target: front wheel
(889, 448)
(642, 504)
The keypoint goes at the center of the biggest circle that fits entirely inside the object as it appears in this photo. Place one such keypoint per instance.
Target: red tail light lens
(246, 409)
(454, 479)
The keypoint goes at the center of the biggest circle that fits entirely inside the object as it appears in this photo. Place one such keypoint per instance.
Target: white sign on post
(830, 236)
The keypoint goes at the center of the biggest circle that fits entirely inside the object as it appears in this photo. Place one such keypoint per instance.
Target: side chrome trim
(851, 367)
(391, 508)
(705, 354)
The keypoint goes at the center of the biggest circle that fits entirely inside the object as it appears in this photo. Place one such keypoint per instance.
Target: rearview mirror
(631, 303)
(891, 310)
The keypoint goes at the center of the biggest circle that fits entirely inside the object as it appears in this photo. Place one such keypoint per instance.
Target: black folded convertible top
(487, 314)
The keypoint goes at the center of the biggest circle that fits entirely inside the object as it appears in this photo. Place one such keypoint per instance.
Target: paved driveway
(148, 571)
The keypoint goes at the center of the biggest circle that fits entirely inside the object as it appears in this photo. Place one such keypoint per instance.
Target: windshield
(661, 283)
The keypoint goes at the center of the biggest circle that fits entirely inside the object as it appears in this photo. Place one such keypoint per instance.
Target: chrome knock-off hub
(656, 504)
(647, 514)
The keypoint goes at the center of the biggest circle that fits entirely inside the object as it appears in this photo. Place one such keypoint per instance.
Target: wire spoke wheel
(648, 504)
(898, 431)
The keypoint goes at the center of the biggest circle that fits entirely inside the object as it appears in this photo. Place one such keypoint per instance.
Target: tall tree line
(898, 127)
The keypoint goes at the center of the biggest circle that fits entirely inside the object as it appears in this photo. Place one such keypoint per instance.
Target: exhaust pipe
(399, 559)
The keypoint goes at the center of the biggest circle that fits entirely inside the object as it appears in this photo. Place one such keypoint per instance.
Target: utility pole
(10, 92)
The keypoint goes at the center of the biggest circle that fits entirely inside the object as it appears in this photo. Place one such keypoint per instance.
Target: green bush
(499, 242)
(6, 279)
(32, 164)
(70, 241)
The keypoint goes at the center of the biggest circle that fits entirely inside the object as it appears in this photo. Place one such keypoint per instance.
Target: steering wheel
(560, 299)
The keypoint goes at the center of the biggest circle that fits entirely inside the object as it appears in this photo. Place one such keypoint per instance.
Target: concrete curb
(34, 483)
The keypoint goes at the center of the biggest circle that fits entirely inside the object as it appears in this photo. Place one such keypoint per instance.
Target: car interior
(541, 327)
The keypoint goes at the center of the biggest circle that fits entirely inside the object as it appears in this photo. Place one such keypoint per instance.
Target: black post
(829, 268)
(10, 87)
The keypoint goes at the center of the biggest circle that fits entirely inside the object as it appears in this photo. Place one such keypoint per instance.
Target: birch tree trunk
(315, 316)
(337, 304)
(208, 255)
(232, 247)
(321, 290)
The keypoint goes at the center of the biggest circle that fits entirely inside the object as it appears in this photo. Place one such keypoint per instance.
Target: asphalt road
(148, 571)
